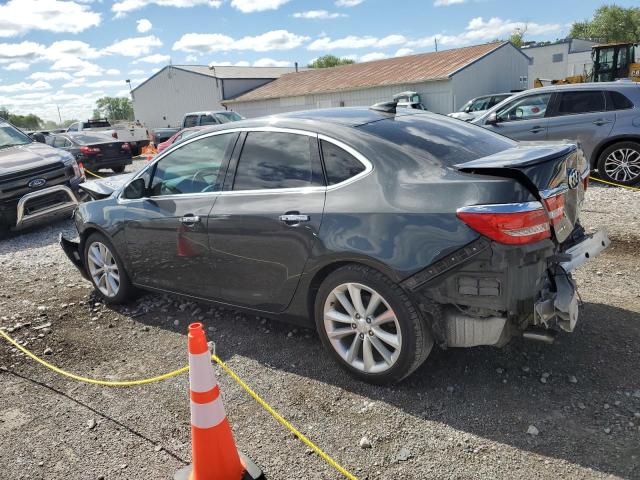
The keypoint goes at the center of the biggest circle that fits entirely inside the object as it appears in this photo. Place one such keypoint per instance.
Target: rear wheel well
(596, 155)
(317, 280)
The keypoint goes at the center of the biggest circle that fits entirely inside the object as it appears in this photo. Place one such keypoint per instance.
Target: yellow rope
(614, 184)
(224, 366)
(92, 174)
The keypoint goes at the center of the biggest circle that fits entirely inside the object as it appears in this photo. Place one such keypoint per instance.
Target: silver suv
(603, 117)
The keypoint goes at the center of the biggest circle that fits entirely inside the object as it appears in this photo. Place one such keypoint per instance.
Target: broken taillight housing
(555, 207)
(509, 223)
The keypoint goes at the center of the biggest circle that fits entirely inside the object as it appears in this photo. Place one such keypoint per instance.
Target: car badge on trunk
(573, 178)
(36, 182)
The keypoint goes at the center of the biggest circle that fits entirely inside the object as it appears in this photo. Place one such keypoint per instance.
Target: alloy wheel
(623, 165)
(362, 327)
(103, 269)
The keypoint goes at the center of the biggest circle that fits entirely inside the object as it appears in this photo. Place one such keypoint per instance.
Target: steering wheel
(166, 189)
(197, 179)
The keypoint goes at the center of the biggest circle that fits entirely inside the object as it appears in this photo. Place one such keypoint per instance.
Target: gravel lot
(463, 414)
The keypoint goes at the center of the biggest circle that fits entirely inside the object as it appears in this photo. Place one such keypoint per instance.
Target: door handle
(601, 122)
(294, 218)
(537, 129)
(189, 219)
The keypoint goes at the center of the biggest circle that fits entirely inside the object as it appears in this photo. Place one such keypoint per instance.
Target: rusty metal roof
(391, 71)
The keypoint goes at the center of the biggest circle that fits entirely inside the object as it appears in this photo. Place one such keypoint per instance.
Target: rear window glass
(438, 138)
(580, 102)
(339, 164)
(96, 124)
(89, 139)
(619, 101)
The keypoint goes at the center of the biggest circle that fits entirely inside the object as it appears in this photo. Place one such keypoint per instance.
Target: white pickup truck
(133, 133)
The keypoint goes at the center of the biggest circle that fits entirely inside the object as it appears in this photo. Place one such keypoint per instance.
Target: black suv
(37, 182)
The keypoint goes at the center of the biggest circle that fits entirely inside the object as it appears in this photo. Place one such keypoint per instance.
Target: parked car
(94, 151)
(195, 119)
(130, 132)
(179, 136)
(37, 182)
(602, 117)
(388, 230)
(475, 107)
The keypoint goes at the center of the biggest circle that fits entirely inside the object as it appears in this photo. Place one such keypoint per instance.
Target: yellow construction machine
(611, 61)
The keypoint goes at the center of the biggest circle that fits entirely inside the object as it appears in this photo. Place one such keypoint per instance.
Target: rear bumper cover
(486, 293)
(72, 251)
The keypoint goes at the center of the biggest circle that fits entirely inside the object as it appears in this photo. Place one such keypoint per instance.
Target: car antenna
(387, 107)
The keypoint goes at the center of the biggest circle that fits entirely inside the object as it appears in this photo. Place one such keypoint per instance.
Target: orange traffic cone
(214, 453)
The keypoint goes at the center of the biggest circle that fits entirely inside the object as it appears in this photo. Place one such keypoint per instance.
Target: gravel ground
(569, 410)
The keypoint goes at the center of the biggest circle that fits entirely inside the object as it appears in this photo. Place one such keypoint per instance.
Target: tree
(517, 36)
(327, 61)
(66, 123)
(610, 23)
(113, 108)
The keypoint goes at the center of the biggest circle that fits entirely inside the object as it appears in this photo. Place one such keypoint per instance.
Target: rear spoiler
(526, 154)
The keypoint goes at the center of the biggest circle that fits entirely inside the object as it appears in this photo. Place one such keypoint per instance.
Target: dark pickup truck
(37, 182)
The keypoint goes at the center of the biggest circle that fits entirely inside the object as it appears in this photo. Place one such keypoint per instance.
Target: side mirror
(492, 119)
(135, 189)
(38, 137)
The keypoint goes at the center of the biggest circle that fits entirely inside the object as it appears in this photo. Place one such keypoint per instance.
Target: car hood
(31, 155)
(104, 187)
(465, 116)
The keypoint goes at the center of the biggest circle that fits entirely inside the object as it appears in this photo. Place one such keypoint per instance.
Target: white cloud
(217, 42)
(318, 15)
(352, 41)
(134, 47)
(18, 66)
(348, 3)
(478, 30)
(403, 52)
(370, 57)
(21, 16)
(25, 87)
(153, 70)
(250, 6)
(137, 71)
(27, 52)
(107, 83)
(113, 71)
(156, 58)
(122, 7)
(269, 62)
(49, 76)
(74, 64)
(241, 63)
(446, 3)
(76, 82)
(144, 25)
(191, 58)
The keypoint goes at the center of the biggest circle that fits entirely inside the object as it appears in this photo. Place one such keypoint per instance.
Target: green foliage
(114, 108)
(327, 61)
(27, 122)
(610, 23)
(66, 123)
(517, 36)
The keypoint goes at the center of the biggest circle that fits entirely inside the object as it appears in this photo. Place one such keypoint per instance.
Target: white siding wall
(501, 71)
(436, 96)
(164, 99)
(574, 61)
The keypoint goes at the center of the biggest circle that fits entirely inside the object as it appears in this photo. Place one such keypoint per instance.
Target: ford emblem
(573, 178)
(37, 182)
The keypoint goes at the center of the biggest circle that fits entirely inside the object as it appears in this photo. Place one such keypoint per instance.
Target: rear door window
(190, 121)
(275, 160)
(339, 164)
(571, 103)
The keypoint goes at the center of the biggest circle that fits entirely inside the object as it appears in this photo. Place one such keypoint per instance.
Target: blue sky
(69, 53)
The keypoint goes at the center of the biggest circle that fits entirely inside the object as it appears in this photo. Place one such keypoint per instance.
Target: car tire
(119, 169)
(620, 163)
(348, 342)
(113, 286)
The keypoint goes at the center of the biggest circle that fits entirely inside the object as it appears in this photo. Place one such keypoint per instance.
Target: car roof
(206, 112)
(585, 86)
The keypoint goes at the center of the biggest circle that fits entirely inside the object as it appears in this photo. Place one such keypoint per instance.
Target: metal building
(163, 99)
(555, 61)
(445, 80)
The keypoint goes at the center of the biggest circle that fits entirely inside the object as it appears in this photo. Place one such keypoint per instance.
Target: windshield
(10, 136)
(229, 117)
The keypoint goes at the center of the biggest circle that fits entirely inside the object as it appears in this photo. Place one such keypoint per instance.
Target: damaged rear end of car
(515, 279)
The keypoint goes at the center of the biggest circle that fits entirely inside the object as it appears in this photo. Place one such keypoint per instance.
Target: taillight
(509, 223)
(89, 150)
(81, 169)
(126, 146)
(555, 206)
(114, 134)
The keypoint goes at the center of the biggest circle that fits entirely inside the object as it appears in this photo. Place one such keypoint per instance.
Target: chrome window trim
(361, 158)
(502, 208)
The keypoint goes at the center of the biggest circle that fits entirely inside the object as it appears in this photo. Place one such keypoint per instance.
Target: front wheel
(620, 163)
(370, 325)
(106, 270)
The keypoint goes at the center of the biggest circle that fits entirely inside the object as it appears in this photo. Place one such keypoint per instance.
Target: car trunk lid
(555, 174)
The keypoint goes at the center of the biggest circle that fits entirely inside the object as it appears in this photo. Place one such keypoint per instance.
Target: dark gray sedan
(388, 231)
(94, 151)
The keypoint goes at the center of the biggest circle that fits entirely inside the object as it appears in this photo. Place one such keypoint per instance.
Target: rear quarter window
(438, 139)
(339, 164)
(619, 101)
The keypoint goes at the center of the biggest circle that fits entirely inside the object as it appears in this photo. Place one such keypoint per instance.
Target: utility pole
(59, 116)
(435, 41)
